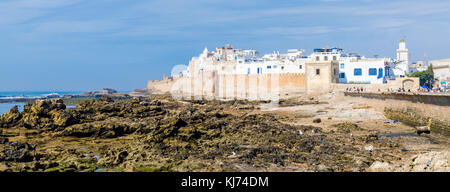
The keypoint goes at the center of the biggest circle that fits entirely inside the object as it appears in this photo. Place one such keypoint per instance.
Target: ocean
(4, 107)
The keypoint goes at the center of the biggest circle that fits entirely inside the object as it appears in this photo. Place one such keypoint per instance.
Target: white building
(441, 69)
(353, 68)
(401, 68)
(417, 67)
(363, 71)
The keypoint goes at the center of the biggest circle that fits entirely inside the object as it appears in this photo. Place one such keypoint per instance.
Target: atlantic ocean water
(10, 95)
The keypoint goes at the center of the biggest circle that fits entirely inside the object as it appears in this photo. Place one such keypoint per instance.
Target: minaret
(402, 57)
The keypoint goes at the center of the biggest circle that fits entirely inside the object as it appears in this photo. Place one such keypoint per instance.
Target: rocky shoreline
(160, 134)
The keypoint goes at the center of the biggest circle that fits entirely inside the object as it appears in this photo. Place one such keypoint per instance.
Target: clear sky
(91, 44)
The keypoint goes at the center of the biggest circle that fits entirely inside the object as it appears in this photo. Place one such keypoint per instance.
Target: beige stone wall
(434, 110)
(208, 85)
(322, 82)
(160, 87)
(411, 83)
(258, 87)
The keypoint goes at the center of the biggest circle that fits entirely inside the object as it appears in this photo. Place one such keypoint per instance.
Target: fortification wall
(160, 87)
(408, 83)
(208, 85)
(435, 99)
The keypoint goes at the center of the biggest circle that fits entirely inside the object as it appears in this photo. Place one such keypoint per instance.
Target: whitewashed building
(417, 67)
(352, 67)
(441, 69)
(364, 71)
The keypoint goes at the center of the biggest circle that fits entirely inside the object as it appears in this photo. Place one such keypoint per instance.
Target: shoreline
(69, 99)
(161, 134)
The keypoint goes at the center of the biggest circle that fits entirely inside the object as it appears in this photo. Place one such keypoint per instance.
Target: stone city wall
(423, 98)
(408, 83)
(210, 85)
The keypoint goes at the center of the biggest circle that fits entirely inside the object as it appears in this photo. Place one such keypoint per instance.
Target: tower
(402, 66)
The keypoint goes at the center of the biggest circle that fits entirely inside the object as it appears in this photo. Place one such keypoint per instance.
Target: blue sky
(87, 45)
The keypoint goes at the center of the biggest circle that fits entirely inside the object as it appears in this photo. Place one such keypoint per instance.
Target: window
(325, 58)
(334, 58)
(317, 71)
(317, 58)
(372, 71)
(275, 66)
(342, 65)
(282, 67)
(335, 71)
(259, 70)
(357, 72)
(300, 66)
(342, 75)
(248, 71)
(269, 67)
(380, 73)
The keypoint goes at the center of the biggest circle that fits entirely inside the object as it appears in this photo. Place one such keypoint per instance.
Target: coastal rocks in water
(46, 114)
(105, 91)
(10, 118)
(41, 114)
(160, 134)
(43, 107)
(17, 151)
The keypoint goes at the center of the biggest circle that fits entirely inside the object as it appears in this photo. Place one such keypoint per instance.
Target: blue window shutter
(372, 71)
(380, 73)
(357, 72)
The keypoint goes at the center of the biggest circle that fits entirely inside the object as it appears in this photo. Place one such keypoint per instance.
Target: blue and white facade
(352, 67)
(363, 71)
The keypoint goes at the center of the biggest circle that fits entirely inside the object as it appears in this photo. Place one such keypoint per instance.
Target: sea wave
(32, 95)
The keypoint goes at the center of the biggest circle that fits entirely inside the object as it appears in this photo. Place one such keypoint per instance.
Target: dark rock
(347, 127)
(108, 91)
(46, 114)
(318, 120)
(10, 118)
(4, 140)
(120, 157)
(106, 99)
(17, 151)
